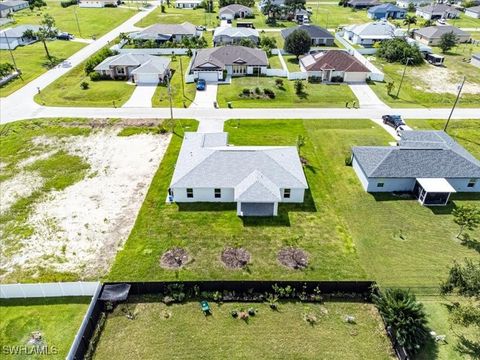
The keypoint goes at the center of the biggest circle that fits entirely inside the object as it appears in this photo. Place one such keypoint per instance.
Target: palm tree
(409, 20)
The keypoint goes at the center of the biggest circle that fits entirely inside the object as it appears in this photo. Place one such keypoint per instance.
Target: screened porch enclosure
(433, 192)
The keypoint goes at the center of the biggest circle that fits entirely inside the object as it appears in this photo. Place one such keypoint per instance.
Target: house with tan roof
(234, 11)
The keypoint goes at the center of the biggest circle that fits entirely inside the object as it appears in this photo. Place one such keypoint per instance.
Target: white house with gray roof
(368, 34)
(226, 35)
(437, 11)
(319, 35)
(432, 35)
(14, 37)
(10, 6)
(161, 33)
(428, 163)
(234, 11)
(257, 178)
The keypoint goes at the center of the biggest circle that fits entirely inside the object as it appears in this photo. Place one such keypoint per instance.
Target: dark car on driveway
(201, 84)
(65, 36)
(394, 121)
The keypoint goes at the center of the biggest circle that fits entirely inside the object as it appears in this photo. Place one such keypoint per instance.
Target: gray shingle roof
(437, 31)
(474, 9)
(228, 55)
(165, 31)
(11, 3)
(312, 30)
(145, 63)
(373, 29)
(420, 154)
(17, 31)
(438, 9)
(235, 32)
(234, 9)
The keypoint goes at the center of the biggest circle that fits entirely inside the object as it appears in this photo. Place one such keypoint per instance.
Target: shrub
(314, 79)
(84, 85)
(337, 79)
(270, 93)
(348, 159)
(97, 59)
(398, 50)
(258, 91)
(6, 69)
(94, 76)
(245, 92)
(299, 86)
(279, 83)
(68, 3)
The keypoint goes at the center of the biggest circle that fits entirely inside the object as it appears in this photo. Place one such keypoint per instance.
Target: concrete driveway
(205, 98)
(366, 97)
(141, 97)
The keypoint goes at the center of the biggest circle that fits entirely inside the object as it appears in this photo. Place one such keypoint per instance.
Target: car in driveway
(201, 84)
(65, 36)
(394, 121)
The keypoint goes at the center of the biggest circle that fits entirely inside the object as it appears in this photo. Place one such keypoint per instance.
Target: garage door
(355, 76)
(208, 75)
(143, 79)
(257, 209)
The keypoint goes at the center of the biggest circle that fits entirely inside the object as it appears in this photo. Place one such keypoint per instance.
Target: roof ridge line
(283, 167)
(380, 162)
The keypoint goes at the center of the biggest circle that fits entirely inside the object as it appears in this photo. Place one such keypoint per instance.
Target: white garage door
(146, 78)
(355, 76)
(208, 75)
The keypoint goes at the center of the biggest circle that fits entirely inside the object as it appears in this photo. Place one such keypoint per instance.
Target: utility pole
(454, 104)
(76, 19)
(169, 89)
(403, 75)
(11, 52)
(181, 73)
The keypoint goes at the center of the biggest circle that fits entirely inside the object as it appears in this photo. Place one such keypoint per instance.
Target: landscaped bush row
(68, 3)
(258, 93)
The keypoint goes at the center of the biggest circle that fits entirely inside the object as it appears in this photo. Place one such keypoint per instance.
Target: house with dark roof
(428, 163)
(473, 12)
(319, 35)
(13, 37)
(437, 11)
(234, 11)
(257, 178)
(432, 35)
(386, 11)
(362, 4)
(216, 64)
(10, 6)
(161, 33)
(336, 65)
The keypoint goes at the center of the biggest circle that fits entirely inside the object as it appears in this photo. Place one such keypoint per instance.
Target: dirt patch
(174, 258)
(293, 258)
(235, 258)
(20, 186)
(442, 80)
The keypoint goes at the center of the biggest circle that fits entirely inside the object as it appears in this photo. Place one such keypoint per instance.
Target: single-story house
(257, 178)
(319, 35)
(13, 37)
(138, 68)
(428, 163)
(234, 11)
(475, 60)
(301, 16)
(225, 35)
(210, 64)
(370, 33)
(10, 6)
(437, 11)
(431, 35)
(161, 33)
(386, 11)
(404, 4)
(187, 4)
(473, 12)
(97, 3)
(334, 64)
(362, 4)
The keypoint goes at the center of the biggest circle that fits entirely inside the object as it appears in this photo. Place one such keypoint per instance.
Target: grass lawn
(465, 21)
(161, 99)
(348, 233)
(274, 62)
(177, 16)
(283, 334)
(331, 16)
(315, 95)
(92, 21)
(57, 319)
(292, 63)
(423, 85)
(33, 62)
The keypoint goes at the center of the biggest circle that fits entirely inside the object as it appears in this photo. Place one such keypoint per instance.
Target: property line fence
(42, 290)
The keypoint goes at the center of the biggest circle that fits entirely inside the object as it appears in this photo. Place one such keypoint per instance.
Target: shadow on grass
(429, 351)
(468, 347)
(387, 196)
(207, 206)
(470, 243)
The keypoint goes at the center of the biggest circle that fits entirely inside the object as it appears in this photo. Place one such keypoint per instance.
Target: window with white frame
(189, 193)
(218, 193)
(286, 193)
(471, 183)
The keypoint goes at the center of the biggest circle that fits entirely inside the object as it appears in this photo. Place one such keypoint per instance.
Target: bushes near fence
(68, 3)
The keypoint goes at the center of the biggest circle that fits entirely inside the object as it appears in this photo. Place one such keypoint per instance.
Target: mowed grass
(33, 62)
(348, 233)
(57, 319)
(314, 95)
(331, 16)
(283, 334)
(91, 21)
(177, 16)
(465, 21)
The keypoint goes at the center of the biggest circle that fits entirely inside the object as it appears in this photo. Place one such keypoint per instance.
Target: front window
(471, 183)
(189, 193)
(121, 70)
(218, 193)
(286, 193)
(380, 184)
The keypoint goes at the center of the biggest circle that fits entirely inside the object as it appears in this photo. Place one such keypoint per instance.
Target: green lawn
(161, 98)
(274, 62)
(283, 334)
(57, 319)
(331, 16)
(32, 61)
(91, 21)
(292, 63)
(177, 16)
(465, 21)
(315, 95)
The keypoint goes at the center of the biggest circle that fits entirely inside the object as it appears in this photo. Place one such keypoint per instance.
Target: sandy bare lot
(80, 228)
(442, 80)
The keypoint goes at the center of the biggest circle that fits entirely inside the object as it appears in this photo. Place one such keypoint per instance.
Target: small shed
(433, 191)
(435, 59)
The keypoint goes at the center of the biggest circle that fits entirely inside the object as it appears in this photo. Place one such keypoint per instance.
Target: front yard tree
(390, 86)
(411, 7)
(409, 21)
(47, 31)
(467, 217)
(298, 43)
(447, 41)
(293, 5)
(399, 50)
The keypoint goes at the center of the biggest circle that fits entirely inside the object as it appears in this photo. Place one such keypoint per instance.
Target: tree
(294, 5)
(268, 43)
(299, 87)
(467, 217)
(47, 31)
(298, 43)
(411, 7)
(404, 316)
(390, 86)
(409, 20)
(247, 43)
(97, 59)
(272, 11)
(6, 69)
(399, 50)
(463, 279)
(447, 41)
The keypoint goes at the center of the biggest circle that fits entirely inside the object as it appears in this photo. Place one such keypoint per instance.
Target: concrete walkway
(141, 97)
(367, 97)
(206, 98)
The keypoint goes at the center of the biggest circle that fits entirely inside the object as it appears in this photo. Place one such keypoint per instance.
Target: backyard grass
(177, 16)
(331, 16)
(283, 334)
(465, 21)
(274, 62)
(161, 98)
(314, 95)
(32, 61)
(91, 21)
(292, 63)
(57, 319)
(348, 233)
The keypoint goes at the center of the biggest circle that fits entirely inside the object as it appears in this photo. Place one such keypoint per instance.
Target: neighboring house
(370, 33)
(334, 64)
(187, 4)
(475, 60)
(437, 11)
(10, 6)
(428, 163)
(257, 178)
(473, 12)
(226, 35)
(234, 11)
(431, 35)
(97, 3)
(263, 3)
(386, 11)
(138, 68)
(319, 35)
(404, 4)
(302, 16)
(13, 37)
(211, 64)
(161, 33)
(362, 4)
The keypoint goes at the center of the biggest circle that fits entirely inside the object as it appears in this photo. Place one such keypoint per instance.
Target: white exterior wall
(390, 184)
(360, 174)
(475, 62)
(355, 76)
(296, 196)
(472, 14)
(460, 185)
(203, 195)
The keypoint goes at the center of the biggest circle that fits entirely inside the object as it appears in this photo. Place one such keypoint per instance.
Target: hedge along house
(386, 11)
(257, 178)
(430, 164)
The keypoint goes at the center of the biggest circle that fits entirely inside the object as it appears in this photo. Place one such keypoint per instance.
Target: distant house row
(9, 6)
